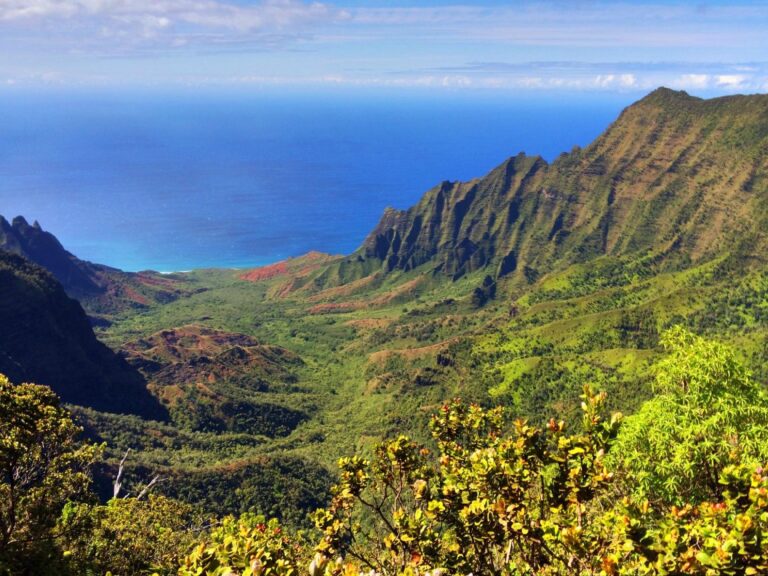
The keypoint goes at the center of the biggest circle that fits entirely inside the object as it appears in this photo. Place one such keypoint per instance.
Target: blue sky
(706, 47)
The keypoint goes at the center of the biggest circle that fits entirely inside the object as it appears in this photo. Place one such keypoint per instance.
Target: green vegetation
(706, 415)
(43, 465)
(128, 535)
(46, 338)
(244, 388)
(487, 495)
(500, 497)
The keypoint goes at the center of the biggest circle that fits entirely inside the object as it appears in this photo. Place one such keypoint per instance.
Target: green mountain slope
(674, 176)
(515, 289)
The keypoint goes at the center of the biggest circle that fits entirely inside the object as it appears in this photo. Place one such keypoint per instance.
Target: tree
(708, 414)
(43, 464)
(129, 536)
(489, 502)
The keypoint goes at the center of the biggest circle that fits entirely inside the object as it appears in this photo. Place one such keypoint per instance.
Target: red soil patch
(404, 289)
(131, 294)
(266, 272)
(407, 289)
(155, 280)
(345, 289)
(368, 323)
(300, 266)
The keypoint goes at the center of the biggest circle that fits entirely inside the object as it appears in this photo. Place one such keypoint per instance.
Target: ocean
(176, 180)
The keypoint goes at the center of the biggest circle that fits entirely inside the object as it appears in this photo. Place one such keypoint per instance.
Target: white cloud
(576, 23)
(620, 81)
(736, 81)
(628, 80)
(531, 44)
(179, 20)
(691, 82)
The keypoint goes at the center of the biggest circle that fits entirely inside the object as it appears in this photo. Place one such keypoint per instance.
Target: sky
(707, 47)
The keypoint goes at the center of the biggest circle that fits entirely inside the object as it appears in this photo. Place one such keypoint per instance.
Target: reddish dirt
(410, 353)
(300, 266)
(131, 294)
(155, 280)
(369, 323)
(266, 272)
(345, 289)
(408, 288)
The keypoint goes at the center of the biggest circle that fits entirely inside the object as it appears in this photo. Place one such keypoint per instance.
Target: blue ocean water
(193, 179)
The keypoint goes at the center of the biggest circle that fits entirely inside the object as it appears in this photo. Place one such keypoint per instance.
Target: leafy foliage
(43, 465)
(489, 496)
(129, 535)
(487, 502)
(724, 536)
(707, 415)
(248, 546)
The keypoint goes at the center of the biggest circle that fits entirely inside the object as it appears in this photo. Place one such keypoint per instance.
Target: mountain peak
(44, 248)
(20, 222)
(666, 99)
(664, 93)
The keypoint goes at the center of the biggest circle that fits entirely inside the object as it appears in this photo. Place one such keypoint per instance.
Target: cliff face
(45, 337)
(459, 225)
(43, 248)
(674, 175)
(100, 289)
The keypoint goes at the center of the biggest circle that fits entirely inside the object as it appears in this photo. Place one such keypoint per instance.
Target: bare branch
(148, 487)
(118, 484)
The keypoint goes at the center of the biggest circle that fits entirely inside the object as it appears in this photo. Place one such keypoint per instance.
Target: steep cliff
(100, 289)
(674, 176)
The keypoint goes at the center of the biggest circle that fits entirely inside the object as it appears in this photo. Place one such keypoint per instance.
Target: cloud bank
(544, 45)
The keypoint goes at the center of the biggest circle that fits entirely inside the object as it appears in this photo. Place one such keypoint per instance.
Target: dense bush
(248, 546)
(707, 414)
(43, 465)
(128, 535)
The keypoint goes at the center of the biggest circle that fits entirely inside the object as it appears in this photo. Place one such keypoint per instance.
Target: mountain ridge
(103, 290)
(672, 175)
(511, 289)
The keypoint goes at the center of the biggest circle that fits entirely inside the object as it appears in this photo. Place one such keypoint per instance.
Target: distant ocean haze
(176, 181)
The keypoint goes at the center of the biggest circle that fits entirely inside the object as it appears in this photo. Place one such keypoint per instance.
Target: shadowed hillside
(46, 339)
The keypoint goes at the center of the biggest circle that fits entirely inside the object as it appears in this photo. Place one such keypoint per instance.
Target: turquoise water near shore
(175, 181)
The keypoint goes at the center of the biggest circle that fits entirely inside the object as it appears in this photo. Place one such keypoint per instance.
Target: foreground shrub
(43, 464)
(247, 546)
(487, 503)
(708, 414)
(129, 536)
